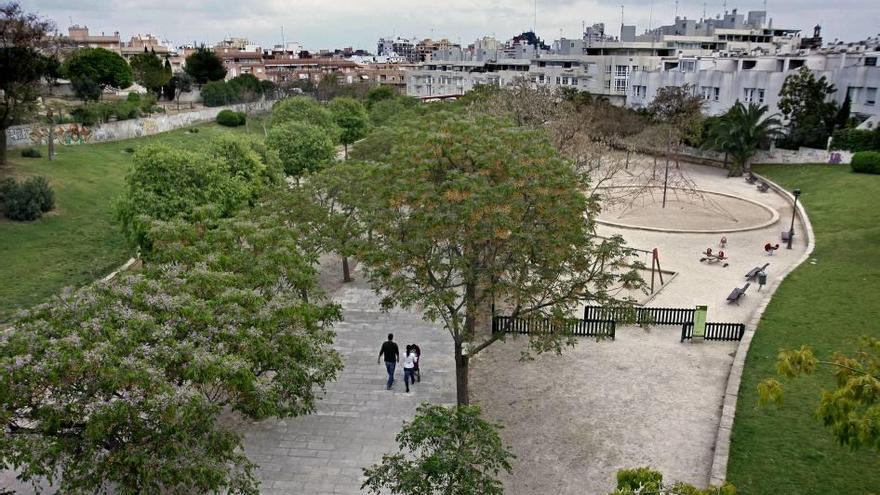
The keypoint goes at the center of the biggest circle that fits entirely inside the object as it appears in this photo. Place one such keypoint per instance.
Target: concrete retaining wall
(802, 155)
(71, 134)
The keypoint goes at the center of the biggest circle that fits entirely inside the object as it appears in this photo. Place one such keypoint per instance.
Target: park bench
(738, 293)
(752, 178)
(763, 187)
(755, 271)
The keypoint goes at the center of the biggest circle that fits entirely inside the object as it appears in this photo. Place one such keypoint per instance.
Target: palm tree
(740, 132)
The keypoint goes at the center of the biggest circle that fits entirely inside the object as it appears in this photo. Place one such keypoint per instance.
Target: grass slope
(828, 305)
(78, 242)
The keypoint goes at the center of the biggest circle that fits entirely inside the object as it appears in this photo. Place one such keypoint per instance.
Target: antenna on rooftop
(676, 9)
(621, 14)
(283, 44)
(535, 17)
(704, 10)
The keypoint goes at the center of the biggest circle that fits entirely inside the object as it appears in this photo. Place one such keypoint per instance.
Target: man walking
(392, 357)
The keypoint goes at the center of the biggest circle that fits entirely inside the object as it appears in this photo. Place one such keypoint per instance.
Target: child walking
(409, 367)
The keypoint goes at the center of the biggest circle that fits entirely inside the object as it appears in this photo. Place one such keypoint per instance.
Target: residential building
(722, 81)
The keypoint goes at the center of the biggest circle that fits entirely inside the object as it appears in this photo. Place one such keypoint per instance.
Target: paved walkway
(356, 422)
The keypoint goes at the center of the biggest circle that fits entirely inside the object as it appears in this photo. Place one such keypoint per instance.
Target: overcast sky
(359, 23)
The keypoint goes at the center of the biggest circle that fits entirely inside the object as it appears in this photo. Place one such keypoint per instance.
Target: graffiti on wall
(64, 134)
(835, 158)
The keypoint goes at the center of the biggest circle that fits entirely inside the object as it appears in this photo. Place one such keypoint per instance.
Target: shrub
(125, 110)
(217, 94)
(306, 110)
(147, 103)
(230, 118)
(639, 478)
(27, 200)
(30, 153)
(134, 98)
(85, 115)
(129, 149)
(857, 140)
(193, 130)
(866, 162)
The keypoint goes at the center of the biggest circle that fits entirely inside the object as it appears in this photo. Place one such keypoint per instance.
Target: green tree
(443, 451)
(22, 35)
(204, 66)
(841, 120)
(739, 133)
(380, 93)
(217, 94)
(852, 410)
(168, 183)
(805, 105)
(150, 72)
(123, 383)
(351, 118)
(303, 148)
(306, 110)
(96, 66)
(470, 210)
(334, 218)
(178, 84)
(387, 112)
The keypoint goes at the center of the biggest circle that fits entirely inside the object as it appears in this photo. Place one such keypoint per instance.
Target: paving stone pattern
(357, 420)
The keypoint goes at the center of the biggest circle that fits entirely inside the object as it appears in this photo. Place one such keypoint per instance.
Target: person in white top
(409, 366)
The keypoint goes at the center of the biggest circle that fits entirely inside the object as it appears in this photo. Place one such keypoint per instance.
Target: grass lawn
(827, 303)
(78, 242)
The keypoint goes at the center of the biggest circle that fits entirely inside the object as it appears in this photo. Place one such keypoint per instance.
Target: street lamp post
(797, 194)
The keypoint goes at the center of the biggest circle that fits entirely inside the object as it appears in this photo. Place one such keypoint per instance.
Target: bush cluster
(239, 89)
(175, 182)
(866, 162)
(230, 118)
(30, 153)
(26, 200)
(857, 140)
(98, 112)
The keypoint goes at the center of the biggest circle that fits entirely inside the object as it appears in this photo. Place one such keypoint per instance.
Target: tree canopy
(21, 65)
(443, 451)
(852, 410)
(170, 182)
(351, 118)
(150, 72)
(307, 110)
(740, 131)
(122, 383)
(303, 148)
(469, 210)
(87, 67)
(805, 104)
(205, 66)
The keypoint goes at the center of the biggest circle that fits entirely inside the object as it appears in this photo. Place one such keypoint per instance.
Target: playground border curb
(720, 458)
(774, 217)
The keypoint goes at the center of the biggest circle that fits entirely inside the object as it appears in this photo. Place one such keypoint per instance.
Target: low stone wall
(778, 155)
(72, 134)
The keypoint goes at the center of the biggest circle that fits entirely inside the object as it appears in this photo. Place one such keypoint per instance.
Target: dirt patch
(573, 420)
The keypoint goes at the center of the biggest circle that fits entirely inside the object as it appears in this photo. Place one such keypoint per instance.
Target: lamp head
(797, 192)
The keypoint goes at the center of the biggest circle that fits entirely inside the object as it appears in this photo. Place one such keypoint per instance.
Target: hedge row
(857, 140)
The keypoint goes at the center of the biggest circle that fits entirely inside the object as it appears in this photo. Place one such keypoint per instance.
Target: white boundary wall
(70, 134)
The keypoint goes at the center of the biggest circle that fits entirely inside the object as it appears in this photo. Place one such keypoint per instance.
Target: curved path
(357, 420)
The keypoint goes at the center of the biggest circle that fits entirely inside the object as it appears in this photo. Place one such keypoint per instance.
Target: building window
(635, 68)
(620, 85)
(608, 85)
(565, 81)
(622, 71)
(870, 96)
(753, 95)
(574, 81)
(558, 80)
(710, 93)
(870, 61)
(608, 69)
(688, 65)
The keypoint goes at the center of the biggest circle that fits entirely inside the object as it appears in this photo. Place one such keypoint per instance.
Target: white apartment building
(722, 81)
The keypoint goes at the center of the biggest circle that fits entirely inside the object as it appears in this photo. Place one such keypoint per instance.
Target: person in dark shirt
(392, 357)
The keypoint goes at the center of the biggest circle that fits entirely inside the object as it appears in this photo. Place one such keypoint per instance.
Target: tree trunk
(51, 138)
(3, 145)
(346, 275)
(345, 147)
(461, 376)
